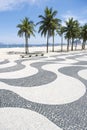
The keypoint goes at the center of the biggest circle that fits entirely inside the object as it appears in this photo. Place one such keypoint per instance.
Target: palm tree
(84, 35)
(48, 24)
(75, 31)
(55, 28)
(67, 34)
(26, 28)
(71, 29)
(77, 36)
(60, 32)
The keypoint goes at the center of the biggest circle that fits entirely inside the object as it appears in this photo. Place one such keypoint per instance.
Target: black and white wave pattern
(46, 93)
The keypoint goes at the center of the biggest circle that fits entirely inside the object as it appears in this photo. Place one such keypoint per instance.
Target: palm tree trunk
(76, 45)
(68, 45)
(61, 42)
(53, 44)
(26, 44)
(47, 41)
(72, 44)
(83, 45)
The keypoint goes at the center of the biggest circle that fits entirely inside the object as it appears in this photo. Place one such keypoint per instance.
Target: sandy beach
(16, 52)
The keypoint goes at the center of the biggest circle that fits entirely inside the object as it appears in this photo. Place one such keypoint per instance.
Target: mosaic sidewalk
(44, 93)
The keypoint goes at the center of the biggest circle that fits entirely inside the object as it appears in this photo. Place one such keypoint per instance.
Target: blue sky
(12, 11)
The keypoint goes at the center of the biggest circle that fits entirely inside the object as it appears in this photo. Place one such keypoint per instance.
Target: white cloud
(82, 21)
(81, 18)
(69, 15)
(11, 4)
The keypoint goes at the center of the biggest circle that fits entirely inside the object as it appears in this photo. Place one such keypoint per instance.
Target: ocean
(3, 45)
